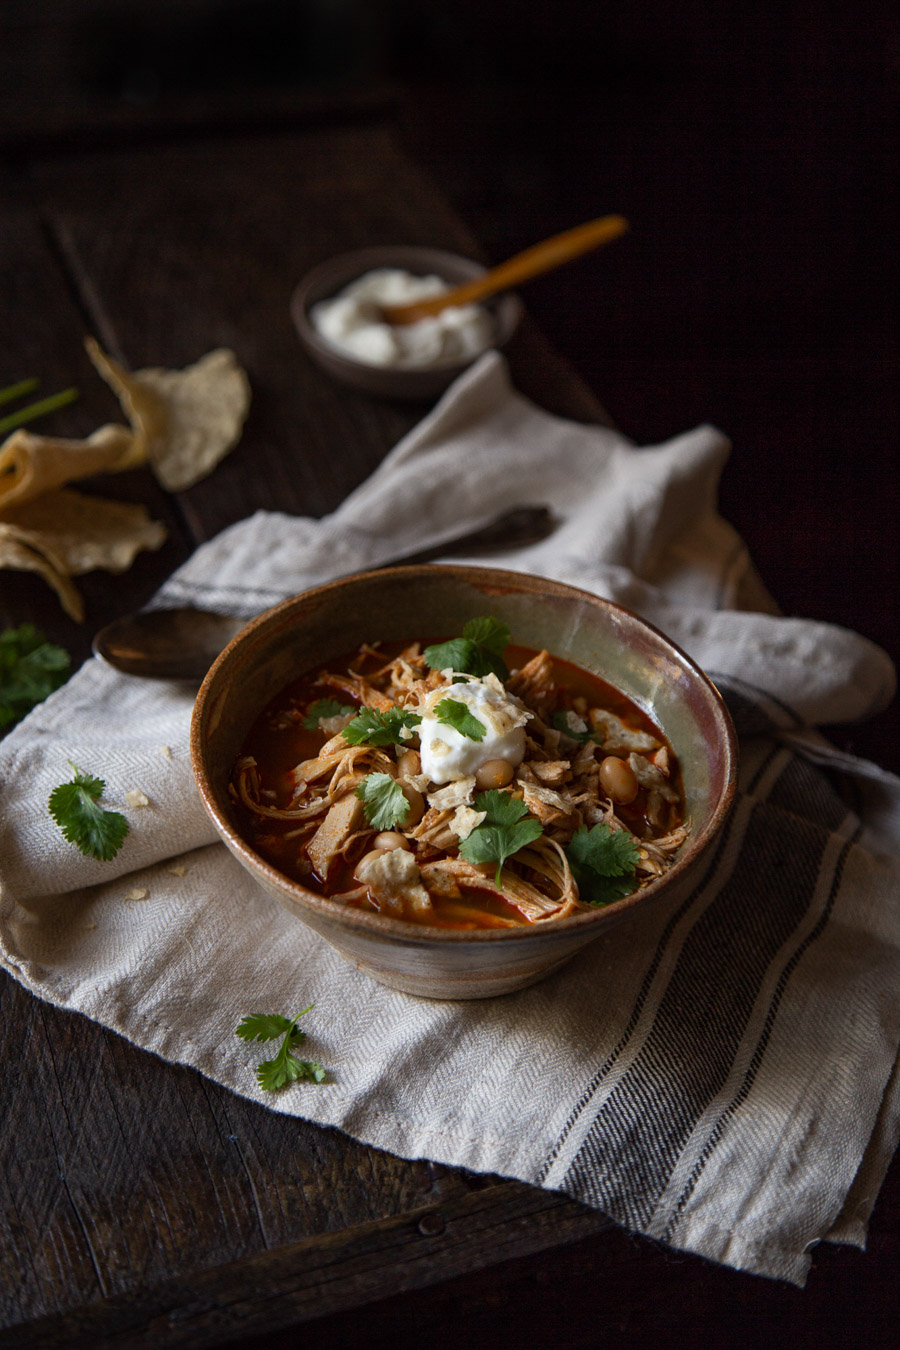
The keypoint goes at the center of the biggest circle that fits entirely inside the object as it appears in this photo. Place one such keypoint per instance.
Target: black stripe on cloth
(753, 1068)
(750, 706)
(626, 1159)
(641, 999)
(806, 791)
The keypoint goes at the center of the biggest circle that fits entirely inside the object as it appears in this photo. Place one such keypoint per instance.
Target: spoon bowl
(182, 644)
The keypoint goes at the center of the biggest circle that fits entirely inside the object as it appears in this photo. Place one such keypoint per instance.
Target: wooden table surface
(143, 1205)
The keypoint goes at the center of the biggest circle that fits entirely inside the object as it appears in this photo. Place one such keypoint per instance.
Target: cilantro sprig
(478, 652)
(603, 863)
(30, 669)
(324, 707)
(371, 727)
(285, 1067)
(384, 801)
(507, 827)
(95, 832)
(452, 713)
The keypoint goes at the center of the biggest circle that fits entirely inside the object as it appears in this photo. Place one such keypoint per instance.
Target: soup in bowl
(460, 776)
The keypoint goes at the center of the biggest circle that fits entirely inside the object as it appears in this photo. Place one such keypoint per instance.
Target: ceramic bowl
(330, 277)
(406, 603)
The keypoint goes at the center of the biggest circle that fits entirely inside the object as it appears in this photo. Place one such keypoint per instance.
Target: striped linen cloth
(719, 1074)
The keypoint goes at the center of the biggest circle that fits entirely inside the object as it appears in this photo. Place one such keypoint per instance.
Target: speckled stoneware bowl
(332, 276)
(405, 603)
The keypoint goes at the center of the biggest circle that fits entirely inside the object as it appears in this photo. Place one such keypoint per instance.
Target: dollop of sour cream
(352, 323)
(448, 755)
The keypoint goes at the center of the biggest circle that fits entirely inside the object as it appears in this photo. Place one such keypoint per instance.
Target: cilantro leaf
(324, 707)
(603, 863)
(454, 714)
(478, 652)
(370, 727)
(452, 655)
(267, 1026)
(384, 801)
(30, 669)
(563, 722)
(285, 1067)
(507, 827)
(95, 832)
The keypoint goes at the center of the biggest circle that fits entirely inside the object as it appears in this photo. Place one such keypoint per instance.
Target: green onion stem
(39, 409)
(14, 391)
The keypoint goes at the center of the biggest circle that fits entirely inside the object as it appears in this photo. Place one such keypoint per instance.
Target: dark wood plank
(123, 1171)
(307, 1281)
(44, 337)
(201, 245)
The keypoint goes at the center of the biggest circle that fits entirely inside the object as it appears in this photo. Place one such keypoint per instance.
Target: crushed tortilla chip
(137, 893)
(85, 533)
(134, 797)
(19, 554)
(32, 465)
(182, 421)
(185, 421)
(177, 869)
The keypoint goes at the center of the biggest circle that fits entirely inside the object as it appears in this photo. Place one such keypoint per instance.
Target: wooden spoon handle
(561, 248)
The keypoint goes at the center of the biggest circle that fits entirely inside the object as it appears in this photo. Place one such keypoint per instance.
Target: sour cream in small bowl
(336, 309)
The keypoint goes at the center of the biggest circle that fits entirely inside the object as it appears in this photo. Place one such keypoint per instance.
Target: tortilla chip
(31, 465)
(83, 533)
(20, 556)
(187, 420)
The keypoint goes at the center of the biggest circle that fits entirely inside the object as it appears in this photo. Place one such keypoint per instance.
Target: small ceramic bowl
(332, 276)
(406, 603)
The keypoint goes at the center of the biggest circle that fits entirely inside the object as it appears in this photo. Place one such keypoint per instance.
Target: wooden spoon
(543, 257)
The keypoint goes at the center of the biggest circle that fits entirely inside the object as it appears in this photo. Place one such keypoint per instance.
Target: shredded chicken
(340, 823)
(558, 781)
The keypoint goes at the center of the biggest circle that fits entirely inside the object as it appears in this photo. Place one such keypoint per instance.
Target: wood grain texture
(201, 245)
(309, 1280)
(43, 335)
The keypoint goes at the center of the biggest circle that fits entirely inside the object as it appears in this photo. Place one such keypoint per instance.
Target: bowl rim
(507, 306)
(423, 934)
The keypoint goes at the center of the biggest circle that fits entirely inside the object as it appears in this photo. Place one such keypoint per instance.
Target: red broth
(278, 742)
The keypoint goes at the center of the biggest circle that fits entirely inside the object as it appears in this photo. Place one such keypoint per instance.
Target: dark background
(753, 147)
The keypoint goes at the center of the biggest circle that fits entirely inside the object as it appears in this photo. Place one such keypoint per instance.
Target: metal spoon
(181, 644)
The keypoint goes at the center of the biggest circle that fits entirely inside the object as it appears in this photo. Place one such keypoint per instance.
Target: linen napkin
(720, 1074)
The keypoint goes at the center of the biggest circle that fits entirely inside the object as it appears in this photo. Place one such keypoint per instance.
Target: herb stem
(39, 409)
(14, 391)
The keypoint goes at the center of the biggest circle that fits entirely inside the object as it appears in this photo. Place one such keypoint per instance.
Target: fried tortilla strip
(31, 465)
(19, 555)
(84, 533)
(186, 420)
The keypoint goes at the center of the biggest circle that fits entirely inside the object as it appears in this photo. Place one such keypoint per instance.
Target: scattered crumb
(137, 893)
(134, 797)
(177, 869)
(89, 927)
(165, 751)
